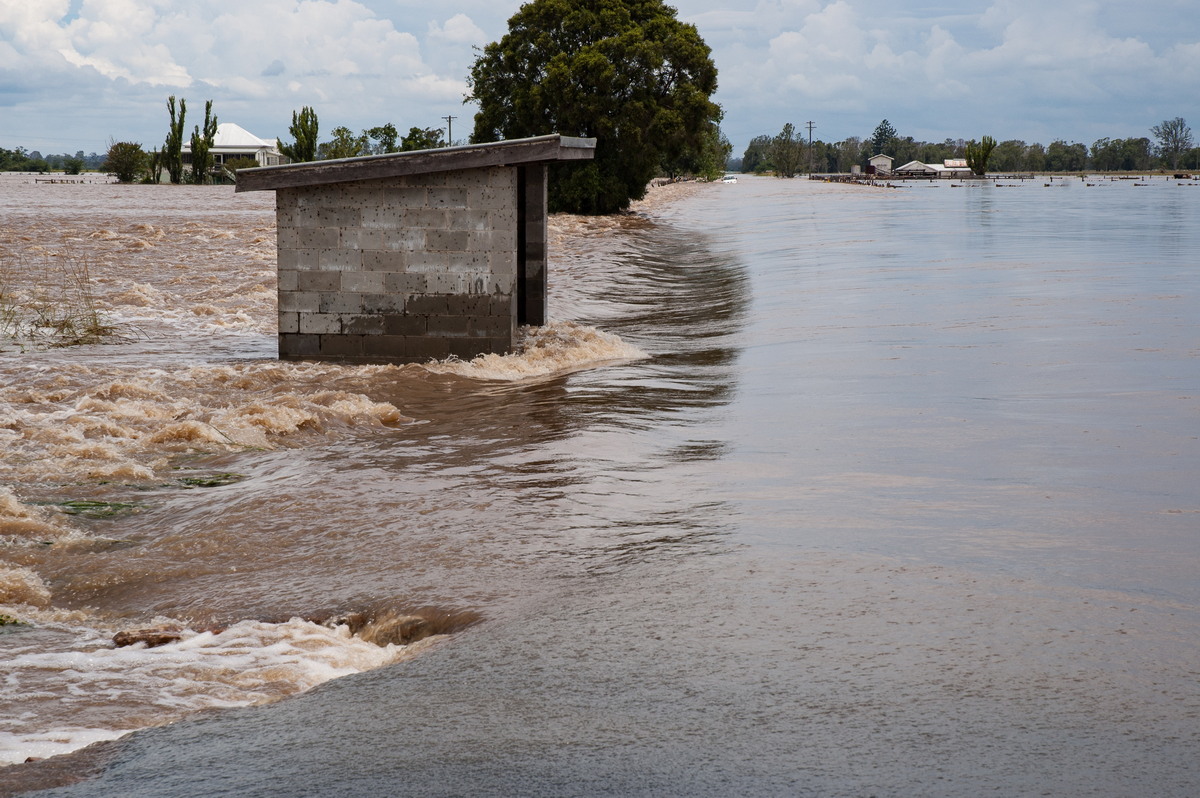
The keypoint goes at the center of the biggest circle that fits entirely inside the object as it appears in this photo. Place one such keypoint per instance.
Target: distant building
(951, 167)
(880, 164)
(233, 141)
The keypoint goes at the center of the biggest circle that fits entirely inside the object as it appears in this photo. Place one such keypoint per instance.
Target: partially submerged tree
(304, 133)
(1174, 139)
(172, 152)
(626, 72)
(126, 160)
(787, 151)
(978, 154)
(757, 157)
(201, 145)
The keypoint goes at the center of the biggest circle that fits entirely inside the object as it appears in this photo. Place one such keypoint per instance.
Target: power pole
(810, 160)
(450, 129)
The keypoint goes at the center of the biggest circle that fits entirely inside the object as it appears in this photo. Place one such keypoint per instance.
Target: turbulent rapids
(93, 436)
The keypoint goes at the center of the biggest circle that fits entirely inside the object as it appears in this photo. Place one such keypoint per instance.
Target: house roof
(542, 149)
(916, 166)
(234, 137)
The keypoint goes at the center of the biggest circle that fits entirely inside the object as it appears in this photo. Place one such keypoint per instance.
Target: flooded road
(807, 489)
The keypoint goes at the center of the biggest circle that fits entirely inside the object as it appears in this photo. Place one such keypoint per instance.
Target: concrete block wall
(399, 269)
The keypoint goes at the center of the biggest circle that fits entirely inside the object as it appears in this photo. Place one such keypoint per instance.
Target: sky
(77, 74)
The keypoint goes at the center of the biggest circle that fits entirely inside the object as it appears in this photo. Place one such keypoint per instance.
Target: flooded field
(806, 489)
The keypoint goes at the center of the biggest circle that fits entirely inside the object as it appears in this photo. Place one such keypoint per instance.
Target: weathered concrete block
(388, 347)
(341, 345)
(326, 216)
(404, 325)
(405, 283)
(428, 304)
(428, 219)
(471, 219)
(339, 302)
(448, 240)
(301, 301)
(448, 196)
(426, 262)
(316, 237)
(289, 322)
(406, 196)
(291, 345)
(364, 282)
(362, 324)
(287, 280)
(450, 326)
(363, 238)
(382, 303)
(383, 217)
(319, 281)
(340, 260)
(320, 323)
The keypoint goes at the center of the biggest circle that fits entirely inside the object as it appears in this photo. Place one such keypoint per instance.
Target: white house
(951, 167)
(882, 164)
(233, 141)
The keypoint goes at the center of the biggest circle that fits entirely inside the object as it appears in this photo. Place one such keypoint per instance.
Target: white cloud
(1012, 68)
(459, 29)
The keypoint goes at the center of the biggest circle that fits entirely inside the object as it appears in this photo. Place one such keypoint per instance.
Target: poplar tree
(172, 153)
(201, 144)
(304, 132)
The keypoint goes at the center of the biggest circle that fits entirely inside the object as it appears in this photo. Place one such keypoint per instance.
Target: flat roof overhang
(513, 152)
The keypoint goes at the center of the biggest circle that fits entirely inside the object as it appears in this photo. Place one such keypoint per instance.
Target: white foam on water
(542, 351)
(76, 687)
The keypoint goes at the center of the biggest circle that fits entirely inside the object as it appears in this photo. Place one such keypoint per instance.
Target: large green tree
(422, 138)
(304, 133)
(883, 140)
(344, 144)
(125, 159)
(1174, 139)
(787, 150)
(625, 72)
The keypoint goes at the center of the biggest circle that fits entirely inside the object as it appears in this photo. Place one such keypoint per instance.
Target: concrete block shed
(416, 255)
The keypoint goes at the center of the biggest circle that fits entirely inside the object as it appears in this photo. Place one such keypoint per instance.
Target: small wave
(556, 348)
(81, 688)
(21, 587)
(24, 524)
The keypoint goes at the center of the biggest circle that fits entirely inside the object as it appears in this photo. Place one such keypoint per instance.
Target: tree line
(627, 73)
(787, 153)
(130, 162)
(19, 159)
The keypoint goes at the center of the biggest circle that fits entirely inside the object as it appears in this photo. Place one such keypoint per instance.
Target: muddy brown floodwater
(807, 489)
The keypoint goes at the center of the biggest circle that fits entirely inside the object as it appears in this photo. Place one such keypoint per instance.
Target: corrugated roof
(541, 149)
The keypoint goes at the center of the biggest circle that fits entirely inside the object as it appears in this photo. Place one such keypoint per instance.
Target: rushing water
(810, 490)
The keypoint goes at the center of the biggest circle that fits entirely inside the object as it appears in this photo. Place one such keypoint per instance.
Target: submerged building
(410, 256)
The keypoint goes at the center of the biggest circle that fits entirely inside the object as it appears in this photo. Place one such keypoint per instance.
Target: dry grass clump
(49, 303)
